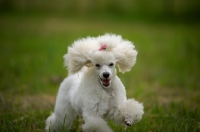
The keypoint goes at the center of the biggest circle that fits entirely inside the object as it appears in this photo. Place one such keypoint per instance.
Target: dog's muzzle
(105, 81)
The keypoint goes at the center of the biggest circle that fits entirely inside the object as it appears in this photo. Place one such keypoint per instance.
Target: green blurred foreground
(165, 77)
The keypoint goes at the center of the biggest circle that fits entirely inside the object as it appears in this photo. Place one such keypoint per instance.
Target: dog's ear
(126, 55)
(78, 55)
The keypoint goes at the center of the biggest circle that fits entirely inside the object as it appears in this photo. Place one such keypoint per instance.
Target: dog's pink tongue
(106, 82)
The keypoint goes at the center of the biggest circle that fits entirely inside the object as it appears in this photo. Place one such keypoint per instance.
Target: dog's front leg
(95, 124)
(129, 112)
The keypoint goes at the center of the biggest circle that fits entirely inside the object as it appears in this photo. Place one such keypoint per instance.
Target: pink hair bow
(103, 47)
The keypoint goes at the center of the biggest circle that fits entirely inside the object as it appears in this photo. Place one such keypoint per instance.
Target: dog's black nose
(106, 74)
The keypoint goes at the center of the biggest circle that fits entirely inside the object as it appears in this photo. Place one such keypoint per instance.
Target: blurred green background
(34, 35)
(131, 9)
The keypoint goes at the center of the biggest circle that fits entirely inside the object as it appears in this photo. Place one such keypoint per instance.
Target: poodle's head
(102, 53)
(104, 66)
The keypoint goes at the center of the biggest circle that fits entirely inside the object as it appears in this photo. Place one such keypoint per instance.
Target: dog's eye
(111, 64)
(97, 65)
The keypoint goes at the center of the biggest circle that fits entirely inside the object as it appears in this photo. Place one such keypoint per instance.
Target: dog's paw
(132, 111)
(128, 121)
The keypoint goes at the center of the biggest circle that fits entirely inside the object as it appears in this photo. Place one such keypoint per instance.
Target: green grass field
(165, 77)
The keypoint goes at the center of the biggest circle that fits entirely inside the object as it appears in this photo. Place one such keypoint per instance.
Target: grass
(165, 77)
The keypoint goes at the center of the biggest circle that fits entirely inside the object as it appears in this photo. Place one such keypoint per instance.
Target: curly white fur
(92, 89)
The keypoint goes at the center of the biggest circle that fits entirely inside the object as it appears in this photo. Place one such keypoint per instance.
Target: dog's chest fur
(98, 100)
(106, 102)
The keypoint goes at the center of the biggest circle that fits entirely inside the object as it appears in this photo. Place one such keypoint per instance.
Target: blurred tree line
(144, 8)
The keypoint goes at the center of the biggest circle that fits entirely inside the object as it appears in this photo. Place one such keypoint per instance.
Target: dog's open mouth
(105, 82)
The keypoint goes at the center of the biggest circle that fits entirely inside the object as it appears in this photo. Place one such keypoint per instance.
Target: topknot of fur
(81, 51)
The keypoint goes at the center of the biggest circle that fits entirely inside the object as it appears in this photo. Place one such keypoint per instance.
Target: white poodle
(92, 89)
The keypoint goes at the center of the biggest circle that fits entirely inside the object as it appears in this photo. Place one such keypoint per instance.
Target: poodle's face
(104, 66)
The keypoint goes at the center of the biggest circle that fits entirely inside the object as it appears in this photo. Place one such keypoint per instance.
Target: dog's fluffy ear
(78, 55)
(126, 55)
